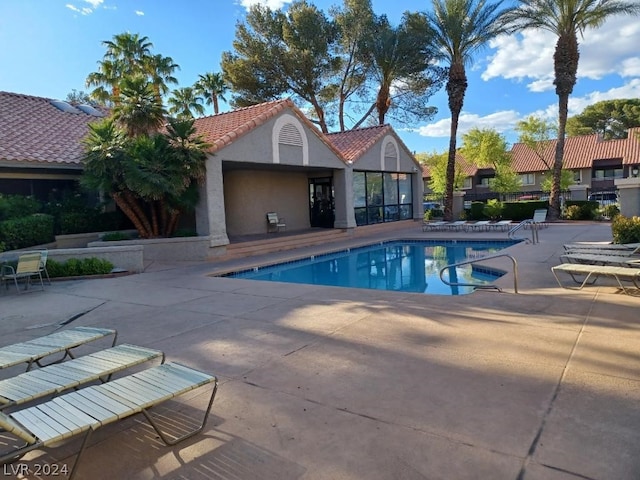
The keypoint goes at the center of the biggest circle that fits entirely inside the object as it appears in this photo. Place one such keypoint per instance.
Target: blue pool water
(403, 266)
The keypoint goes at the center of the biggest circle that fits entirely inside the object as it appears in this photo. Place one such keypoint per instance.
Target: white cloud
(499, 121)
(140, 13)
(86, 10)
(611, 49)
(82, 11)
(272, 4)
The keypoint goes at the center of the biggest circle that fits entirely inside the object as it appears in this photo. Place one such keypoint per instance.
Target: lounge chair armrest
(7, 270)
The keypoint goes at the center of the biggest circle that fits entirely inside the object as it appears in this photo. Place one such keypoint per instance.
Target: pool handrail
(482, 285)
(524, 224)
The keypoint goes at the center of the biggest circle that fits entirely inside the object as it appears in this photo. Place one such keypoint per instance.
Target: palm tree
(140, 111)
(160, 70)
(130, 49)
(184, 101)
(212, 87)
(458, 29)
(565, 18)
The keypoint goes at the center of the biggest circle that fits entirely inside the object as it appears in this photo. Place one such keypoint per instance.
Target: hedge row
(75, 267)
(24, 232)
(625, 229)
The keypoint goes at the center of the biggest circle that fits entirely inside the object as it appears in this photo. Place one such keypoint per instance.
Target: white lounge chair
(33, 351)
(502, 225)
(87, 409)
(632, 247)
(595, 259)
(435, 225)
(477, 226)
(55, 379)
(592, 272)
(457, 225)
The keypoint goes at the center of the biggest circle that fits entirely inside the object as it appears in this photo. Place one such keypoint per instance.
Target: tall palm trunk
(214, 100)
(456, 88)
(565, 59)
(383, 102)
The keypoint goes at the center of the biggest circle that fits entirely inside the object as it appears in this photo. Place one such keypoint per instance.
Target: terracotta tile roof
(579, 152)
(33, 131)
(225, 128)
(352, 144)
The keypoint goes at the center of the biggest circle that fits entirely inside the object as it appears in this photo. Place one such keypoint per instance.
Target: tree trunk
(565, 60)
(153, 206)
(172, 222)
(214, 100)
(131, 215)
(456, 88)
(383, 102)
(133, 203)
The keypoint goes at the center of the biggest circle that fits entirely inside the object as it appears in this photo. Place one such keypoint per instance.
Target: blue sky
(50, 46)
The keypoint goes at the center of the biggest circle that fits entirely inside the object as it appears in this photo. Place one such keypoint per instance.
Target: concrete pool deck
(333, 383)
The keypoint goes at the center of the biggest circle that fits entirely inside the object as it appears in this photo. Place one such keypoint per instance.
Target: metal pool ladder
(482, 285)
(523, 224)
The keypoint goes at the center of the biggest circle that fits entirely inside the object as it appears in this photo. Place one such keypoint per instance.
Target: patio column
(343, 201)
(578, 192)
(458, 204)
(210, 216)
(629, 192)
(417, 185)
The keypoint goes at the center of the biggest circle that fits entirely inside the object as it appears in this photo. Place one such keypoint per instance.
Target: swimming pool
(402, 265)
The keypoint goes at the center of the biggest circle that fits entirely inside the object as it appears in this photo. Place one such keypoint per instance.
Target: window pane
(374, 215)
(391, 213)
(406, 212)
(359, 190)
(390, 189)
(374, 189)
(361, 216)
(404, 184)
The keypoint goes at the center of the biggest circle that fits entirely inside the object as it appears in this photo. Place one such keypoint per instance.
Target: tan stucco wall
(250, 194)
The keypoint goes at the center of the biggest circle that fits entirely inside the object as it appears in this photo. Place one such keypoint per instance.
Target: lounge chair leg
(74, 469)
(170, 442)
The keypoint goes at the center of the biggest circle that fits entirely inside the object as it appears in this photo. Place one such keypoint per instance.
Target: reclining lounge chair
(55, 379)
(592, 272)
(90, 408)
(33, 351)
(594, 259)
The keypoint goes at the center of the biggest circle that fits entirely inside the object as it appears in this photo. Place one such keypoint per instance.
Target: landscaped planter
(80, 240)
(179, 249)
(123, 257)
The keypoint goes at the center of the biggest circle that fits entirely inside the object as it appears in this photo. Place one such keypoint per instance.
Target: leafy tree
(537, 133)
(457, 29)
(79, 97)
(277, 53)
(212, 86)
(566, 180)
(487, 148)
(184, 101)
(437, 163)
(609, 118)
(352, 63)
(565, 19)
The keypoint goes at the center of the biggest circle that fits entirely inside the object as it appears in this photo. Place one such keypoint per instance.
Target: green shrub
(587, 210)
(17, 206)
(186, 232)
(476, 212)
(27, 231)
(625, 229)
(518, 211)
(493, 209)
(610, 211)
(573, 212)
(75, 267)
(115, 237)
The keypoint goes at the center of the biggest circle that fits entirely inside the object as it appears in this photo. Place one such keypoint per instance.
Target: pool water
(402, 266)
